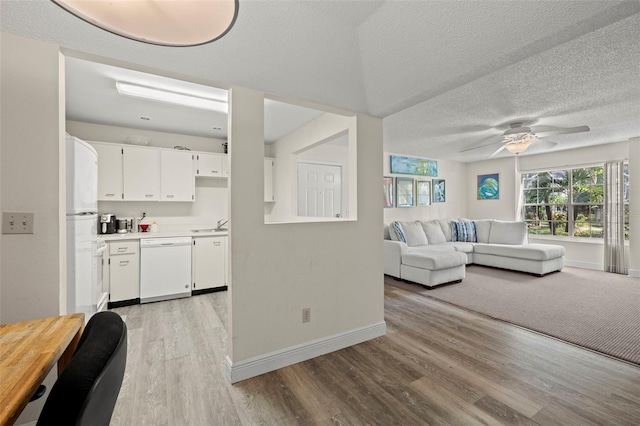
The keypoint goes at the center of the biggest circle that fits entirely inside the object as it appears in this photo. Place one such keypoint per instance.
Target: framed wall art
(387, 188)
(423, 193)
(405, 192)
(439, 190)
(413, 166)
(489, 186)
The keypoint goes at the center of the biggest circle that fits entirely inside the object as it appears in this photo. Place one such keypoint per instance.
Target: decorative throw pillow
(414, 234)
(463, 231)
(396, 233)
(433, 231)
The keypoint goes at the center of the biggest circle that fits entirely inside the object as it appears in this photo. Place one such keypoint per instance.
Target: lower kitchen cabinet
(124, 271)
(208, 263)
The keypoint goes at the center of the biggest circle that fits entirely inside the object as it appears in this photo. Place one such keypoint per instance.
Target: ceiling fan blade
(497, 151)
(566, 131)
(544, 145)
(483, 145)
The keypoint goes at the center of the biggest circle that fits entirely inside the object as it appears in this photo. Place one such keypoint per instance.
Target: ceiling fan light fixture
(165, 23)
(518, 147)
(183, 99)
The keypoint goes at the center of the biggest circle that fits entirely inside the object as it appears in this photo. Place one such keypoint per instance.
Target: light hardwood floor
(437, 365)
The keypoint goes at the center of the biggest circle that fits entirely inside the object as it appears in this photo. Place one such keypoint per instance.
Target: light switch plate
(17, 223)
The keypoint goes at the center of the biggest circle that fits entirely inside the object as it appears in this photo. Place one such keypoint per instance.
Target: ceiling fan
(518, 138)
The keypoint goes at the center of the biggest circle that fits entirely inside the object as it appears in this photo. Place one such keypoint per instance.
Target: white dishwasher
(165, 268)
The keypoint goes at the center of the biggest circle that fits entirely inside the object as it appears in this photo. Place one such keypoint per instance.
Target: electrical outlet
(17, 223)
(306, 314)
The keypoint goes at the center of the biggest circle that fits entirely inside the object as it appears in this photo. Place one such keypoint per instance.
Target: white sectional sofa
(428, 252)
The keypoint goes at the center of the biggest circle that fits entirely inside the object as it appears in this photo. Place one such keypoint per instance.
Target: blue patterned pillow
(464, 231)
(399, 232)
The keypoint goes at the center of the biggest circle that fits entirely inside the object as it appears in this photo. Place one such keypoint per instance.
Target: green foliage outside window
(568, 202)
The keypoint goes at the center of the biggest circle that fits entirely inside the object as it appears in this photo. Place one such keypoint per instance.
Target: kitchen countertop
(140, 235)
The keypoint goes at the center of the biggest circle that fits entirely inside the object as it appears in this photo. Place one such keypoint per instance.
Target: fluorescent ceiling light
(163, 22)
(160, 95)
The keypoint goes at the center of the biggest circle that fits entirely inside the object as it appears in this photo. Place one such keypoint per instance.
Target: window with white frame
(568, 202)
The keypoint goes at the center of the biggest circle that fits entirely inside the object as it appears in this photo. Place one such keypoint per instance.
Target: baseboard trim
(256, 366)
(634, 273)
(584, 265)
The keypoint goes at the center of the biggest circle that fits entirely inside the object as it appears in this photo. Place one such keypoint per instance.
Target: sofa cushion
(445, 224)
(463, 231)
(410, 233)
(386, 235)
(440, 248)
(507, 232)
(414, 234)
(525, 251)
(433, 231)
(460, 246)
(483, 227)
(434, 261)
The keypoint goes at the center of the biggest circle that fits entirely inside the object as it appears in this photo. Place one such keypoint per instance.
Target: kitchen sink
(210, 230)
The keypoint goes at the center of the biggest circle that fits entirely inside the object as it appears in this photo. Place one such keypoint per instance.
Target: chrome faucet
(220, 224)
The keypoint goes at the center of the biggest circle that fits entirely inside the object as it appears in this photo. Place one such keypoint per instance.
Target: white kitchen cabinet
(177, 182)
(109, 171)
(225, 166)
(269, 164)
(209, 262)
(209, 164)
(141, 173)
(124, 270)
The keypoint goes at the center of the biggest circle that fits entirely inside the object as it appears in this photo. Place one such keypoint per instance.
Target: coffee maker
(108, 223)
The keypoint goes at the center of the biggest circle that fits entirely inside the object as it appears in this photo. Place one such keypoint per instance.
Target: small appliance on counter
(122, 226)
(108, 223)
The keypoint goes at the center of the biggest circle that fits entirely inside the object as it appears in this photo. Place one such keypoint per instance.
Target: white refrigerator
(82, 224)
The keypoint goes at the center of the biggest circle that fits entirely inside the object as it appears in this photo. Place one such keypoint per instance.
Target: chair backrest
(86, 391)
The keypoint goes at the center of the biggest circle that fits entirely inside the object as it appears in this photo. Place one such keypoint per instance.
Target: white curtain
(614, 260)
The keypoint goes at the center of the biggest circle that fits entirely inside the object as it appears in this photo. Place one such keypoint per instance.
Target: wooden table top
(28, 351)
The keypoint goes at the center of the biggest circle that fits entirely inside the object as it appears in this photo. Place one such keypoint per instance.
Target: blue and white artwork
(413, 166)
(439, 190)
(489, 187)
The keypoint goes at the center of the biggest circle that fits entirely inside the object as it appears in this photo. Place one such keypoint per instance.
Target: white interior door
(319, 190)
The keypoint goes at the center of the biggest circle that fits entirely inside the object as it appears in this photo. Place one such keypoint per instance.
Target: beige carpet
(593, 309)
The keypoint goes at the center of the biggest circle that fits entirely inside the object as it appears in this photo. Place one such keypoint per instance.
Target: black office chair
(86, 391)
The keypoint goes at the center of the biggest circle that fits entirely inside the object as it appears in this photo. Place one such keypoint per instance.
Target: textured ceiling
(445, 75)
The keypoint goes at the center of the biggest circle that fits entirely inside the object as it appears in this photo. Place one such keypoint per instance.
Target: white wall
(333, 268)
(33, 173)
(455, 205)
(503, 208)
(588, 254)
(33, 271)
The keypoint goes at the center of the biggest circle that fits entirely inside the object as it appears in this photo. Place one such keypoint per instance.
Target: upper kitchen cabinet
(177, 182)
(141, 171)
(211, 165)
(269, 164)
(109, 171)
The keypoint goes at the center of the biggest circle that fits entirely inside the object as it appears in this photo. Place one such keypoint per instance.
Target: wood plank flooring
(437, 365)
